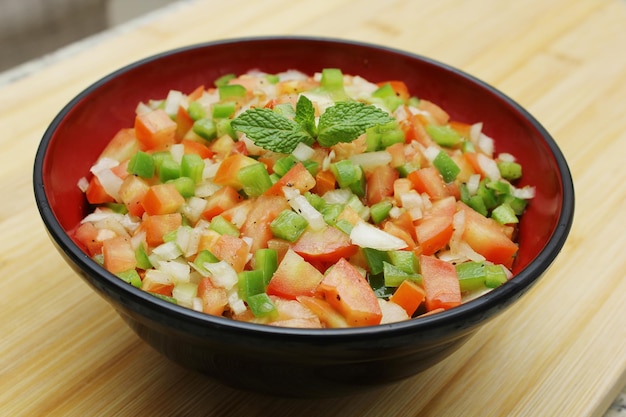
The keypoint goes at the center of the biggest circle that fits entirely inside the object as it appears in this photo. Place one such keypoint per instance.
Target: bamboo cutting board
(560, 351)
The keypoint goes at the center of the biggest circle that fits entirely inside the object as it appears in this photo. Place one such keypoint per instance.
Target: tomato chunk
(294, 277)
(441, 283)
(347, 291)
(326, 245)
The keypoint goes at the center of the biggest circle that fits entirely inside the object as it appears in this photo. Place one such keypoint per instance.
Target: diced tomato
(123, 145)
(461, 128)
(214, 300)
(414, 129)
(327, 245)
(297, 177)
(257, 225)
(87, 234)
(157, 284)
(233, 250)
(162, 199)
(404, 222)
(222, 146)
(397, 154)
(294, 277)
(487, 237)
(435, 229)
(240, 147)
(227, 172)
(118, 254)
(96, 194)
(380, 183)
(399, 87)
(194, 147)
(208, 238)
(155, 129)
(196, 93)
(326, 313)
(223, 199)
(395, 230)
(428, 180)
(441, 283)
(347, 291)
(184, 123)
(439, 115)
(324, 182)
(132, 192)
(401, 186)
(409, 296)
(158, 226)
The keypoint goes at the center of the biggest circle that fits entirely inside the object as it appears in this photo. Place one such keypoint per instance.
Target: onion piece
(366, 235)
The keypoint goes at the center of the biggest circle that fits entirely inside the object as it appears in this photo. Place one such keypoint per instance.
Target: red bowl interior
(83, 128)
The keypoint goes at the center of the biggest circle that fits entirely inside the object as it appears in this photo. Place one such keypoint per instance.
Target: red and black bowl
(291, 361)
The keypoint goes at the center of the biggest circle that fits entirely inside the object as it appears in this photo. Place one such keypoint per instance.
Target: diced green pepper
(315, 200)
(405, 260)
(261, 305)
(250, 283)
(224, 128)
(394, 275)
(510, 170)
(230, 91)
(388, 96)
(391, 136)
(500, 187)
(446, 166)
(343, 225)
(478, 204)
(266, 261)
(517, 204)
(255, 179)
(494, 276)
(311, 166)
(223, 110)
(185, 186)
(224, 79)
(143, 262)
(504, 214)
(346, 172)
(196, 111)
(203, 257)
(377, 282)
(444, 135)
(168, 169)
(471, 275)
(330, 212)
(283, 165)
(358, 187)
(380, 211)
(163, 297)
(205, 128)
(487, 194)
(192, 166)
(117, 207)
(332, 79)
(131, 276)
(223, 226)
(142, 165)
(272, 78)
(375, 259)
(288, 225)
(408, 167)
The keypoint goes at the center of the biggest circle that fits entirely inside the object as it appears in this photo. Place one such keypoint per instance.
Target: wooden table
(561, 351)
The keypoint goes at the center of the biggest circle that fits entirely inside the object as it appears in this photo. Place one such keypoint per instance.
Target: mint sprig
(343, 122)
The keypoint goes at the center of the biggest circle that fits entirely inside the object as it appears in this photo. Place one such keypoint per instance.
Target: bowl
(294, 362)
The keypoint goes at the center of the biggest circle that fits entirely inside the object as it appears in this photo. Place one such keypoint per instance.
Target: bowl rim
(503, 295)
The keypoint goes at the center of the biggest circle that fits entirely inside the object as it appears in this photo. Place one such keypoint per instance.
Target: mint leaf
(271, 131)
(305, 115)
(347, 120)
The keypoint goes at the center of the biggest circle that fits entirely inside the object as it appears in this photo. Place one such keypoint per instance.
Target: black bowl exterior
(284, 361)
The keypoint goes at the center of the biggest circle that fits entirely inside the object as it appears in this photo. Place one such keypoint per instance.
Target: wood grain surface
(561, 351)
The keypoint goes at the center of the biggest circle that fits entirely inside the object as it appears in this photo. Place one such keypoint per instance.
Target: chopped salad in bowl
(304, 200)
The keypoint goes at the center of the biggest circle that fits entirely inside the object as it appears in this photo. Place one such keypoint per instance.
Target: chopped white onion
(473, 183)
(525, 193)
(222, 274)
(506, 157)
(392, 312)
(475, 132)
(83, 184)
(486, 144)
(177, 150)
(185, 293)
(173, 100)
(235, 303)
(370, 160)
(302, 206)
(303, 152)
(489, 167)
(338, 196)
(431, 153)
(178, 270)
(366, 235)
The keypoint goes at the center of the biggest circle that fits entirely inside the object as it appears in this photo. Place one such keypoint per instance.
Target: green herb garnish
(343, 122)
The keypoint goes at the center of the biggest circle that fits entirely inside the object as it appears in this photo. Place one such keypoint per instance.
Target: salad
(298, 200)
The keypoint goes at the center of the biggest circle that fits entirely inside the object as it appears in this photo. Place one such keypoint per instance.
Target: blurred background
(32, 28)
